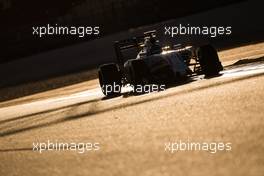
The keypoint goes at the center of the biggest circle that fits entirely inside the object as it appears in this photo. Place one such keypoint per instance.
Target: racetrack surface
(132, 130)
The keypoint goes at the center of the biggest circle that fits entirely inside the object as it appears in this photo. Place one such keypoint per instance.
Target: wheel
(110, 79)
(209, 60)
(139, 74)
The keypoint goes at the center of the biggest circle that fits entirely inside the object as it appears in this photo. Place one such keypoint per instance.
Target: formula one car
(141, 61)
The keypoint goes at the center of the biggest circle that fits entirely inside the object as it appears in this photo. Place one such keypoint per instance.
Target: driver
(150, 47)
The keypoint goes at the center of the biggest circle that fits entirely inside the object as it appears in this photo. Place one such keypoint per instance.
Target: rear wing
(135, 42)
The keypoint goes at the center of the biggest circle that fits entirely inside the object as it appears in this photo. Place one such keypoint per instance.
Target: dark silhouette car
(139, 65)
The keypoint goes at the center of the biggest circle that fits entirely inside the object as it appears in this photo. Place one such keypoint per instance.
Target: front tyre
(139, 73)
(139, 76)
(110, 79)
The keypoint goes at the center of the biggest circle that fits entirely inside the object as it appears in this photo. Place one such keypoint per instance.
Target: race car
(142, 61)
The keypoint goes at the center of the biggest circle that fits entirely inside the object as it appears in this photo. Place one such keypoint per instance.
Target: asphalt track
(132, 130)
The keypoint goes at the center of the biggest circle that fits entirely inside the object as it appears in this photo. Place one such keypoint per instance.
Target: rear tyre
(110, 79)
(209, 60)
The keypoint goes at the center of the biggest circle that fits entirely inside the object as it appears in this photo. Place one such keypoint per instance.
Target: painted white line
(48, 104)
(243, 71)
